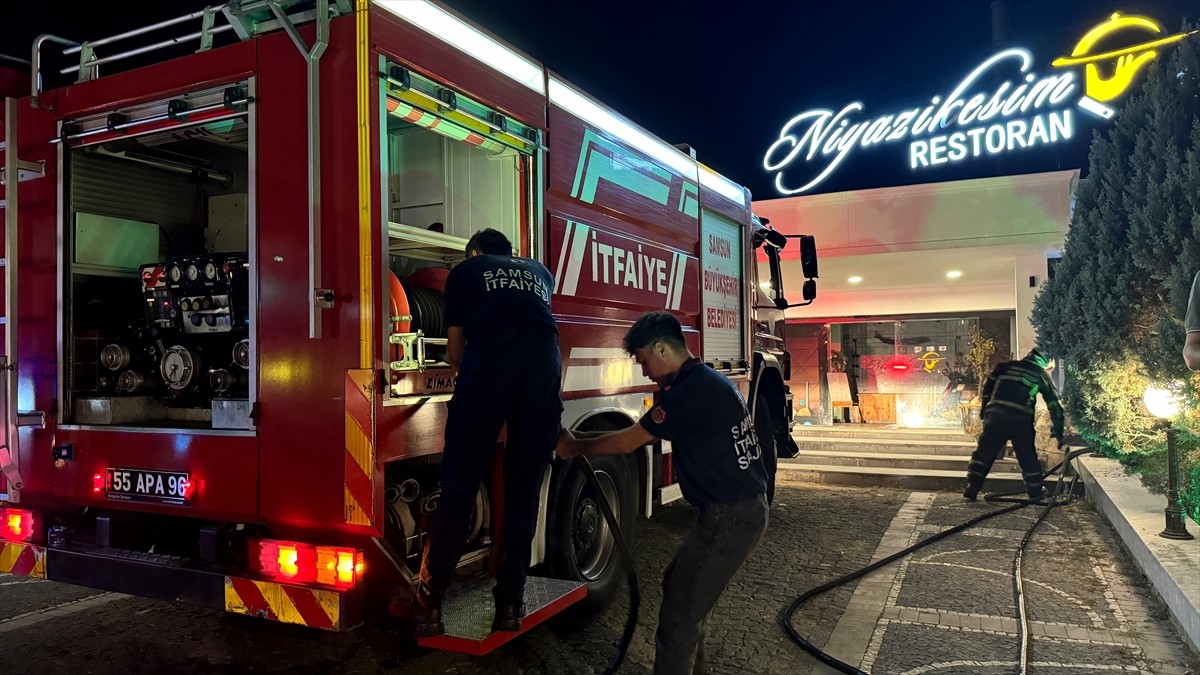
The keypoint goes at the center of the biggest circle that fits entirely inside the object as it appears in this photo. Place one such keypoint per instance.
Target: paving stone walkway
(949, 608)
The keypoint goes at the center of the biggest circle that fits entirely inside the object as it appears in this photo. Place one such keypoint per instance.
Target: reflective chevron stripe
(287, 604)
(24, 560)
(359, 481)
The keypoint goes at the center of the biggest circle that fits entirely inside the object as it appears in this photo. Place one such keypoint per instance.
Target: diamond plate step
(469, 608)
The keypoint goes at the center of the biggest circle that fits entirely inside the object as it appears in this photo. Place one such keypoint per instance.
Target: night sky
(725, 76)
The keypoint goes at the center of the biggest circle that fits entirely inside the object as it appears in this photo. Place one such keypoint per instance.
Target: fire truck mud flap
(174, 579)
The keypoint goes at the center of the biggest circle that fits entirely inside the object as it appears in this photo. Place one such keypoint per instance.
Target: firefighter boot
(971, 491)
(428, 619)
(508, 617)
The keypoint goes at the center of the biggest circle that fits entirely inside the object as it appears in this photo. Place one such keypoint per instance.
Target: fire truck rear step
(468, 611)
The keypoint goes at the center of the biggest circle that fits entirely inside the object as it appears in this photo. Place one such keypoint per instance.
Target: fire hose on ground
(785, 619)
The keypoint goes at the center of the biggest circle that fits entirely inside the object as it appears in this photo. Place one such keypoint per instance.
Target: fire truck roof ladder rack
(246, 18)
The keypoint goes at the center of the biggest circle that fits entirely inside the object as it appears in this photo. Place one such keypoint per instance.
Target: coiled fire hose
(785, 619)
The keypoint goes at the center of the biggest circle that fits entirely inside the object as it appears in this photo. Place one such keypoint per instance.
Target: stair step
(896, 460)
(911, 479)
(874, 432)
(834, 444)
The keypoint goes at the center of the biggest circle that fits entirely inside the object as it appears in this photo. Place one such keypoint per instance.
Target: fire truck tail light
(16, 524)
(335, 566)
(97, 483)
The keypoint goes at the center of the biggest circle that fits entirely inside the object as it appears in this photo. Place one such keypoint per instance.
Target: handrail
(12, 180)
(145, 29)
(238, 15)
(94, 62)
(35, 84)
(312, 57)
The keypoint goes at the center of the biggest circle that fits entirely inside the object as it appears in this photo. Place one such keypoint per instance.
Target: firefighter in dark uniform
(503, 341)
(719, 466)
(1009, 398)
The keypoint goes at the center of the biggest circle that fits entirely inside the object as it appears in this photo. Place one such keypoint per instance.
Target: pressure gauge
(174, 273)
(178, 367)
(193, 272)
(210, 271)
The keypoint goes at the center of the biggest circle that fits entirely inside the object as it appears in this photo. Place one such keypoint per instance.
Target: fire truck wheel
(767, 428)
(581, 545)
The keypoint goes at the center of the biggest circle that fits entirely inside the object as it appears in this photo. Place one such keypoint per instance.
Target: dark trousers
(498, 383)
(999, 427)
(722, 539)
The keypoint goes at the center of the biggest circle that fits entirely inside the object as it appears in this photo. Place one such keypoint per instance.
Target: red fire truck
(223, 370)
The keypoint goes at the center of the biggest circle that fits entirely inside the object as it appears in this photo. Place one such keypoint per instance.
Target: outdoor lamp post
(1163, 402)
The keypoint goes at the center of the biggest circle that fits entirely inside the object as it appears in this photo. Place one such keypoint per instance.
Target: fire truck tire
(767, 427)
(581, 546)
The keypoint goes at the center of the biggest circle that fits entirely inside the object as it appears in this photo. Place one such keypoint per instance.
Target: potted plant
(979, 359)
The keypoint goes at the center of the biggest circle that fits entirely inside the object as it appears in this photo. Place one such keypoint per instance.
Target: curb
(1172, 567)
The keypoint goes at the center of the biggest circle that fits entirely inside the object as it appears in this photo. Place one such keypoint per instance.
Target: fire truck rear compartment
(157, 291)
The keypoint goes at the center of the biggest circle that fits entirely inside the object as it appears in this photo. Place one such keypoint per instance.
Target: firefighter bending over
(719, 466)
(1009, 401)
(503, 341)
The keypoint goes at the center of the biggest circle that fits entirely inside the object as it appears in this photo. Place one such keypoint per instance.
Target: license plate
(142, 485)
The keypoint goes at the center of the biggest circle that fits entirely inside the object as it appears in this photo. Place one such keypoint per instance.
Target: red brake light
(16, 524)
(98, 483)
(292, 561)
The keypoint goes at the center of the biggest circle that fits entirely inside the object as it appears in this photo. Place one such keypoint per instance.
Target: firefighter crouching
(503, 340)
(720, 469)
(1009, 400)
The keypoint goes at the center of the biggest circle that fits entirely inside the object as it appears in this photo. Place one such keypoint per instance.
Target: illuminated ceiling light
(953, 274)
(855, 280)
(468, 39)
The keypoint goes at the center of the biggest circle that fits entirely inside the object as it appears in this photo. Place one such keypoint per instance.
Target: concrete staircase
(917, 459)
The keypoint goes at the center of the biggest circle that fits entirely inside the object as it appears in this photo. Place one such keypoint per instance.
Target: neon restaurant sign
(1003, 105)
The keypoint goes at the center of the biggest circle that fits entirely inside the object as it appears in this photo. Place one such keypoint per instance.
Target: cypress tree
(1114, 311)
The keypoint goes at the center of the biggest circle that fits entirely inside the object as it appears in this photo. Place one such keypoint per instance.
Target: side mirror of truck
(772, 241)
(808, 256)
